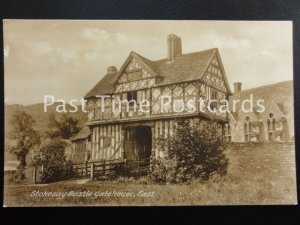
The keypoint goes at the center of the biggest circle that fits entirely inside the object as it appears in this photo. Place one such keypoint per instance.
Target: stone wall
(273, 159)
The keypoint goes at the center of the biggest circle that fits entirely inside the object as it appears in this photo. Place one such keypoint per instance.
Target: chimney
(237, 87)
(111, 69)
(174, 46)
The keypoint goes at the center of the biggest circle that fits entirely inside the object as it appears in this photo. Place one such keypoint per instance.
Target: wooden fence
(111, 168)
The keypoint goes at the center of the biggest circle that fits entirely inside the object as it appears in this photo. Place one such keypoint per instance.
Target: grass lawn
(228, 190)
(257, 175)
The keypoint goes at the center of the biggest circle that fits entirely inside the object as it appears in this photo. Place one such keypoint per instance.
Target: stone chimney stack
(111, 69)
(174, 46)
(237, 87)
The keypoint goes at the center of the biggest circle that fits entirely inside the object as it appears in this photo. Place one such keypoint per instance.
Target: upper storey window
(213, 94)
(135, 74)
(213, 97)
(132, 96)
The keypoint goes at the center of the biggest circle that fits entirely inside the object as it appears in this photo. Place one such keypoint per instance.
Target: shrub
(162, 170)
(52, 157)
(18, 176)
(193, 152)
(68, 171)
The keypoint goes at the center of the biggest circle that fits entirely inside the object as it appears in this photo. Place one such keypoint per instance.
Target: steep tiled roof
(104, 86)
(185, 67)
(280, 93)
(82, 134)
(151, 64)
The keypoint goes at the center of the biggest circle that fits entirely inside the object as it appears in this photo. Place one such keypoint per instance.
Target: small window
(213, 97)
(213, 94)
(134, 75)
(228, 132)
(248, 129)
(132, 96)
(271, 123)
(271, 126)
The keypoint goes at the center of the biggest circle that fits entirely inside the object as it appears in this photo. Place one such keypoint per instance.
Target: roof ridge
(144, 59)
(186, 54)
(141, 55)
(206, 50)
(266, 85)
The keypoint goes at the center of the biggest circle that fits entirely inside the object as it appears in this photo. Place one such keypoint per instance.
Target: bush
(18, 176)
(162, 170)
(191, 153)
(68, 171)
(52, 157)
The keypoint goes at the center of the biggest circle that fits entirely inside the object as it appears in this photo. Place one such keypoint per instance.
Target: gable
(133, 72)
(215, 76)
(135, 67)
(272, 107)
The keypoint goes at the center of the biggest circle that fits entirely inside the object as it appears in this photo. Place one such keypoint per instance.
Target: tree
(65, 128)
(53, 127)
(191, 153)
(23, 135)
(68, 126)
(51, 156)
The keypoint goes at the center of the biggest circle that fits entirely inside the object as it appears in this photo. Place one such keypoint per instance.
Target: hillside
(38, 114)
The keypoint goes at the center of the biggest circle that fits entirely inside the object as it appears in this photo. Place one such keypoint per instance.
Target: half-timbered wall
(134, 78)
(179, 95)
(214, 77)
(106, 142)
(212, 86)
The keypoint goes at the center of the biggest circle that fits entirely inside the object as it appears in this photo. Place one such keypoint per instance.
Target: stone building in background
(276, 123)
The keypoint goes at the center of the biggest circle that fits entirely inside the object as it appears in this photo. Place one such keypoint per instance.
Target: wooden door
(138, 141)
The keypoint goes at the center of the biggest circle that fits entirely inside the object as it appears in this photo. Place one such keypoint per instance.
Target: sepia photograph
(148, 113)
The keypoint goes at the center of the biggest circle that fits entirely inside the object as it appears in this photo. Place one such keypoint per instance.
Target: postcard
(148, 113)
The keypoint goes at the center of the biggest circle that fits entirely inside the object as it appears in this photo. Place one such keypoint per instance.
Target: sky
(66, 58)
